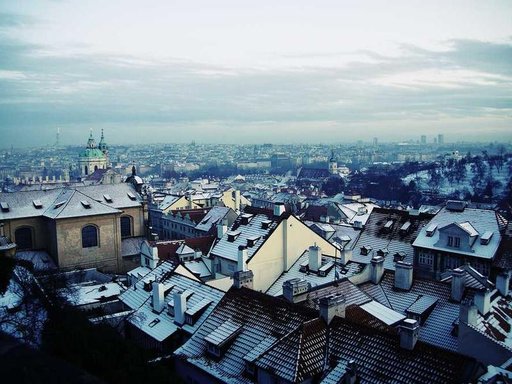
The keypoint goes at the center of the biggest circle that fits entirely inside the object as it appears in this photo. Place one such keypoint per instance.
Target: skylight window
(107, 198)
(59, 204)
(37, 204)
(86, 204)
(131, 196)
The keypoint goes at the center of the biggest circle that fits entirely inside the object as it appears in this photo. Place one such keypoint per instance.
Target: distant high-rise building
(375, 141)
(440, 139)
(423, 139)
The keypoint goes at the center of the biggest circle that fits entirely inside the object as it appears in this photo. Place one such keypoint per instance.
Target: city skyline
(336, 72)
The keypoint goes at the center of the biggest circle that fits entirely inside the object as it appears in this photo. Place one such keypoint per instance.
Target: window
(89, 236)
(454, 241)
(126, 226)
(425, 258)
(450, 241)
(457, 242)
(23, 238)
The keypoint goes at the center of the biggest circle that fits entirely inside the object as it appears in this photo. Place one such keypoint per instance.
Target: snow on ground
(422, 180)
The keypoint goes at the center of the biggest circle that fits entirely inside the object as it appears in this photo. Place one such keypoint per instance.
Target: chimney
(243, 279)
(458, 284)
(409, 332)
(346, 256)
(295, 290)
(467, 313)
(279, 209)
(222, 228)
(350, 373)
(180, 306)
(333, 305)
(237, 200)
(377, 269)
(242, 258)
(403, 275)
(190, 201)
(315, 258)
(158, 297)
(502, 283)
(483, 301)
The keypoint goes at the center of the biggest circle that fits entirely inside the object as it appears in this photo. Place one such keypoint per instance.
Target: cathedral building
(94, 157)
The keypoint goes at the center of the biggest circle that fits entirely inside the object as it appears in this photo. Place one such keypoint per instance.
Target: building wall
(106, 256)
(137, 215)
(282, 249)
(40, 238)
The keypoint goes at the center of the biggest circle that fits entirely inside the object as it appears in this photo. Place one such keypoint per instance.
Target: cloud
(398, 96)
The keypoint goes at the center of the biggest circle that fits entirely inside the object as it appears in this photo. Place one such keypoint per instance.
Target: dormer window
(266, 224)
(232, 235)
(365, 250)
(454, 241)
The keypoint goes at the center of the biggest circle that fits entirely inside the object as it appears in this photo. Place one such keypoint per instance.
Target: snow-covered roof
(70, 202)
(201, 299)
(474, 221)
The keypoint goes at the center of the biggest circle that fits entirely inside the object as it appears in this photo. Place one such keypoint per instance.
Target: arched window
(89, 236)
(23, 238)
(126, 226)
(86, 170)
(95, 168)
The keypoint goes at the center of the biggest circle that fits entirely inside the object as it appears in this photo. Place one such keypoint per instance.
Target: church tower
(93, 158)
(333, 165)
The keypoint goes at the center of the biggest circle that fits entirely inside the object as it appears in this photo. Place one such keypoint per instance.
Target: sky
(289, 71)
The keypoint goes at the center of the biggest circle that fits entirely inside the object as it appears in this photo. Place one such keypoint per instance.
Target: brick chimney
(333, 305)
(403, 275)
(295, 290)
(409, 333)
(243, 279)
(458, 284)
(376, 269)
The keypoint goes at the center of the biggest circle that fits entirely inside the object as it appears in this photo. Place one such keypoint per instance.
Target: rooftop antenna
(57, 137)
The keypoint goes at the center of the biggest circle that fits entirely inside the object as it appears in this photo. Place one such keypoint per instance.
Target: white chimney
(154, 260)
(295, 290)
(467, 313)
(237, 200)
(403, 275)
(483, 301)
(158, 297)
(242, 258)
(331, 306)
(180, 306)
(279, 209)
(346, 256)
(502, 283)
(315, 258)
(377, 269)
(222, 228)
(409, 333)
(458, 284)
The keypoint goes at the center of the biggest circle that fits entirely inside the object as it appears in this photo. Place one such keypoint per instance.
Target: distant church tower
(93, 157)
(333, 165)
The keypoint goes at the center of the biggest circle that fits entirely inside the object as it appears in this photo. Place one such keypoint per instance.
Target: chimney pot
(403, 275)
(409, 333)
(458, 284)
(377, 269)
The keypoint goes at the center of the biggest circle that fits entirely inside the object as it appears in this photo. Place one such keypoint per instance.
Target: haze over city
(233, 72)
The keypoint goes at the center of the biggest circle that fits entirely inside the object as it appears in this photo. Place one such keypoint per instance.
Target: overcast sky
(254, 71)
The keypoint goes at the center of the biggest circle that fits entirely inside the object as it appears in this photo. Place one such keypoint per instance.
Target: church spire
(91, 143)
